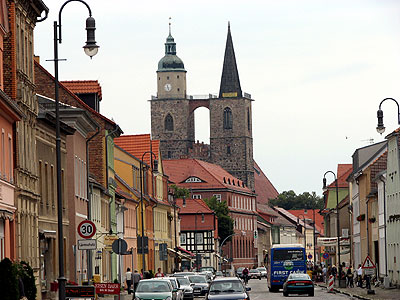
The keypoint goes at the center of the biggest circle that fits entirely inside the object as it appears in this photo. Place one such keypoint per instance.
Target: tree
(225, 222)
(180, 192)
(289, 200)
(8, 280)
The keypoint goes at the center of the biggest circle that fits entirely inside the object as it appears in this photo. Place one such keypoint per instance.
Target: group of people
(345, 273)
(135, 277)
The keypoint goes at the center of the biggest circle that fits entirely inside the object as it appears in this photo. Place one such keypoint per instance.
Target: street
(259, 291)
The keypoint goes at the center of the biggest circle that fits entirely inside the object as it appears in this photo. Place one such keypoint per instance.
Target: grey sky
(317, 70)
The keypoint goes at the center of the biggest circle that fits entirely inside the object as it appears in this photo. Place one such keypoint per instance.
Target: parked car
(254, 273)
(298, 283)
(182, 274)
(219, 274)
(185, 285)
(263, 271)
(211, 269)
(209, 276)
(175, 285)
(155, 289)
(199, 284)
(239, 272)
(231, 288)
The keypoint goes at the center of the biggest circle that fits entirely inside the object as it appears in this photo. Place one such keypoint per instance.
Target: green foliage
(8, 280)
(25, 272)
(180, 192)
(225, 222)
(289, 200)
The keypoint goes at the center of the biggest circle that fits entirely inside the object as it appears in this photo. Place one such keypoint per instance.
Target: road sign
(78, 291)
(119, 246)
(325, 255)
(309, 256)
(108, 240)
(146, 245)
(86, 229)
(368, 263)
(107, 288)
(163, 251)
(87, 244)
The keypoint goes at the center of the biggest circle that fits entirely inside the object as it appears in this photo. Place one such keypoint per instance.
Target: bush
(8, 280)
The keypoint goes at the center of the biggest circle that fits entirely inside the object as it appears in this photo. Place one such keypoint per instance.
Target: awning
(185, 251)
(217, 255)
(48, 233)
(179, 254)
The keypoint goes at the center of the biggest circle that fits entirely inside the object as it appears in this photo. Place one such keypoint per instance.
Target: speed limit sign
(86, 229)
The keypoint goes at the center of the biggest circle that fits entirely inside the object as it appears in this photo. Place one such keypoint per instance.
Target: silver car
(185, 286)
(263, 271)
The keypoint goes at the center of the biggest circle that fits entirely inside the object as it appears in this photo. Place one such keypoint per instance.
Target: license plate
(300, 283)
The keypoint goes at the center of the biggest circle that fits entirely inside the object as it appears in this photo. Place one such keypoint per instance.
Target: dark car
(199, 284)
(298, 283)
(227, 288)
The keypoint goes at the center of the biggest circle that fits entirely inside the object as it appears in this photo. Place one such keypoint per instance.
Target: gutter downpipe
(89, 204)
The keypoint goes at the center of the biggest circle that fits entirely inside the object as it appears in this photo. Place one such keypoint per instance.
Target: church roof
(170, 62)
(265, 190)
(230, 83)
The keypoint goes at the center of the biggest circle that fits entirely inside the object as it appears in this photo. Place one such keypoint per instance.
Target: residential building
(18, 84)
(100, 148)
(204, 181)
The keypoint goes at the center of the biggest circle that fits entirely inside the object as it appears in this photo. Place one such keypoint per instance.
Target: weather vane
(169, 24)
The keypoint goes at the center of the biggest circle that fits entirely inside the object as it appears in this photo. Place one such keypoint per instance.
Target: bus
(283, 260)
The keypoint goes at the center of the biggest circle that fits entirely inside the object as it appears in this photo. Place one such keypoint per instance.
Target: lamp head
(324, 185)
(202, 218)
(91, 47)
(155, 164)
(380, 128)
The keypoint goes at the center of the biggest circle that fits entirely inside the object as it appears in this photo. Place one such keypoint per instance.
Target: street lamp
(195, 237)
(381, 128)
(141, 197)
(243, 233)
(337, 216)
(304, 225)
(90, 49)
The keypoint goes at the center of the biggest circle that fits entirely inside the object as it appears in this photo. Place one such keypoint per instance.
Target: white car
(263, 271)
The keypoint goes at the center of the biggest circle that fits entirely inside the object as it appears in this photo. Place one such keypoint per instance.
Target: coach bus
(282, 261)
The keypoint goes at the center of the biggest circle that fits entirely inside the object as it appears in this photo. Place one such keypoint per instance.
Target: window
(218, 197)
(199, 238)
(2, 240)
(227, 118)
(196, 196)
(169, 154)
(248, 119)
(169, 123)
(183, 238)
(228, 149)
(3, 154)
(10, 161)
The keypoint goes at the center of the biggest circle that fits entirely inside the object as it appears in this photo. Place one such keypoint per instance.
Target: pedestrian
(141, 274)
(324, 270)
(135, 278)
(334, 273)
(349, 277)
(159, 273)
(359, 276)
(128, 278)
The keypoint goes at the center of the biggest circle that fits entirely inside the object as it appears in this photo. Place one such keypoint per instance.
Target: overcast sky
(317, 70)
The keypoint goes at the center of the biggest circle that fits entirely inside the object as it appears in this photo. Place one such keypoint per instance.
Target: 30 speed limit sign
(86, 229)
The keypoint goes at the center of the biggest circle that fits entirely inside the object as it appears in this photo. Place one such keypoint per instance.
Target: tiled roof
(264, 188)
(193, 206)
(290, 217)
(211, 175)
(266, 209)
(308, 214)
(343, 171)
(83, 87)
(138, 144)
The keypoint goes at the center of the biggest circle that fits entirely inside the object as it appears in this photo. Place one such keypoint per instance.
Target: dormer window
(229, 181)
(193, 179)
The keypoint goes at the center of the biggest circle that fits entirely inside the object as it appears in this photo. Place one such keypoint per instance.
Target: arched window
(169, 123)
(227, 118)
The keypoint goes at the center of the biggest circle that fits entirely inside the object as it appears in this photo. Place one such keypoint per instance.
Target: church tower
(231, 137)
(171, 120)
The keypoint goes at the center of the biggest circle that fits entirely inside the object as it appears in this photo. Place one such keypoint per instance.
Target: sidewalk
(356, 292)
(124, 296)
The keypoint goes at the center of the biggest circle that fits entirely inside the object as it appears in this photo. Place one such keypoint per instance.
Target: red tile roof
(193, 206)
(138, 144)
(264, 188)
(308, 214)
(83, 87)
(212, 176)
(343, 171)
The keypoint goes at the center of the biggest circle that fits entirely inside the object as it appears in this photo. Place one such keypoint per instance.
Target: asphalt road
(259, 291)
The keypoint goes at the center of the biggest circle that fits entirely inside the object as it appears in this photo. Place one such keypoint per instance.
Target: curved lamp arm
(381, 128)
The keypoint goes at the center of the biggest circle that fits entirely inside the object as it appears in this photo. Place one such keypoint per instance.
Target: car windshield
(261, 269)
(233, 286)
(240, 269)
(218, 273)
(299, 276)
(183, 281)
(197, 279)
(254, 271)
(153, 286)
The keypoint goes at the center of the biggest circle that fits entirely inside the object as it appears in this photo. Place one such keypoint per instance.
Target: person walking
(159, 273)
(324, 270)
(128, 278)
(349, 277)
(334, 273)
(359, 276)
(135, 278)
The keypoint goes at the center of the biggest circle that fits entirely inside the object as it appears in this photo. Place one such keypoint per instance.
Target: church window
(169, 154)
(228, 149)
(248, 118)
(167, 77)
(178, 89)
(169, 123)
(224, 180)
(229, 181)
(227, 118)
(159, 78)
(177, 76)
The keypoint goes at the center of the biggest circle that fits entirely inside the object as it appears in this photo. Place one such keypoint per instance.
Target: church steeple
(230, 83)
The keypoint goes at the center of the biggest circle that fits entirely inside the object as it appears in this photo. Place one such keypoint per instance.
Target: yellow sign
(108, 240)
(229, 95)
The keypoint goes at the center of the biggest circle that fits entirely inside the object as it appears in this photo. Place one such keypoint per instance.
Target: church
(230, 148)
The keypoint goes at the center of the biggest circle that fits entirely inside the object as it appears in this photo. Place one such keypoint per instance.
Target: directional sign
(87, 244)
(86, 229)
(368, 263)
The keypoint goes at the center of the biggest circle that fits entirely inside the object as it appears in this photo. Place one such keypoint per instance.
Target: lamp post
(304, 223)
(314, 246)
(337, 216)
(195, 236)
(141, 198)
(90, 49)
(381, 128)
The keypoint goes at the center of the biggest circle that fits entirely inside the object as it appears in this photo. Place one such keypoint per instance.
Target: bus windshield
(288, 254)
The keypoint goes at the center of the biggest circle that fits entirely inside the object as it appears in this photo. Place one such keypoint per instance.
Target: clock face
(168, 87)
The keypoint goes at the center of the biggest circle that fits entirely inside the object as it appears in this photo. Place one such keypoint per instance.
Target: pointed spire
(170, 45)
(230, 83)
(169, 26)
